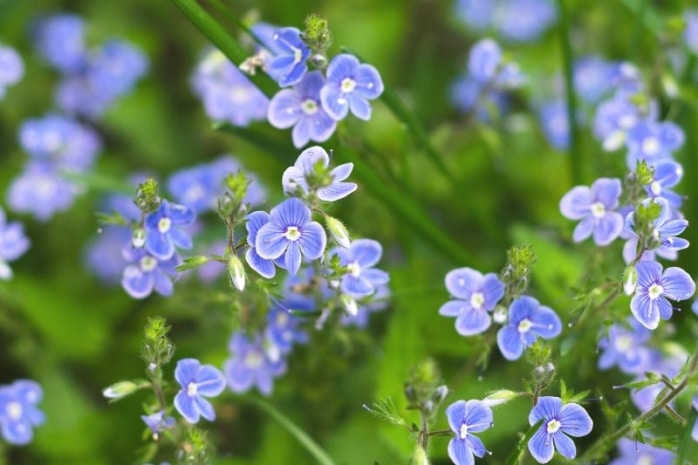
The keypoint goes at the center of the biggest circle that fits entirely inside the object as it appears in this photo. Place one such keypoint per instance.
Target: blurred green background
(60, 326)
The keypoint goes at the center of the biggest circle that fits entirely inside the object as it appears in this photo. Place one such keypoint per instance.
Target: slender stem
(577, 165)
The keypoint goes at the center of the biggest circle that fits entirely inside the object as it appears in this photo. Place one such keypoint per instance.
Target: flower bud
(138, 238)
(237, 272)
(499, 397)
(338, 232)
(120, 390)
(349, 304)
(629, 280)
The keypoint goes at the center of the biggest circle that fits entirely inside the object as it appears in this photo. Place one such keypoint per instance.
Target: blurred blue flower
(471, 96)
(624, 347)
(524, 20)
(145, 273)
(690, 33)
(300, 108)
(361, 278)
(13, 244)
(62, 141)
(595, 207)
(665, 229)
(227, 94)
(11, 68)
(559, 422)
(593, 78)
(164, 232)
(484, 60)
(475, 295)
(288, 66)
(41, 191)
(291, 233)
(477, 14)
(349, 87)
(651, 141)
(197, 381)
(528, 321)
(376, 302)
(157, 422)
(296, 177)
(283, 329)
(654, 286)
(464, 419)
(104, 254)
(60, 41)
(555, 124)
(633, 452)
(614, 118)
(19, 412)
(254, 362)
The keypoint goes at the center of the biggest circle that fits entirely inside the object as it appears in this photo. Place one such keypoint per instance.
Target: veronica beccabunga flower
(361, 279)
(559, 421)
(595, 207)
(291, 234)
(300, 108)
(197, 381)
(163, 232)
(464, 419)
(327, 186)
(528, 321)
(288, 66)
(349, 87)
(654, 287)
(475, 295)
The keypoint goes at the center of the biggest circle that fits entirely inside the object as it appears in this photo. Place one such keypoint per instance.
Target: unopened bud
(237, 272)
(338, 232)
(138, 238)
(120, 390)
(499, 397)
(420, 457)
(629, 280)
(349, 304)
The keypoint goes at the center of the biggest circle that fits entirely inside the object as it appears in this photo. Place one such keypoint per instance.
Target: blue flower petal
(546, 323)
(584, 229)
(607, 191)
(677, 284)
(205, 408)
(255, 220)
(271, 242)
(180, 239)
(162, 284)
(292, 258)
(336, 191)
(264, 267)
(356, 286)
(292, 179)
(453, 308)
(564, 445)
(462, 282)
(459, 453)
(180, 215)
(321, 127)
(366, 252)
(375, 276)
(673, 227)
(575, 204)
(472, 322)
(575, 421)
(648, 273)
(210, 381)
(313, 240)
(159, 245)
(186, 371)
(334, 102)
(475, 445)
(645, 311)
(369, 84)
(186, 406)
(284, 109)
(478, 416)
(137, 284)
(509, 342)
(455, 413)
(492, 290)
(541, 446)
(359, 106)
(300, 135)
(239, 377)
(342, 172)
(608, 228)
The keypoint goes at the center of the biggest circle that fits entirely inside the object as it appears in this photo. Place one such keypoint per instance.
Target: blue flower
(197, 381)
(361, 279)
(690, 33)
(559, 421)
(162, 229)
(227, 94)
(665, 229)
(650, 141)
(255, 221)
(376, 302)
(146, 273)
(349, 86)
(41, 191)
(475, 296)
(11, 68)
(624, 346)
(464, 419)
(59, 39)
(301, 109)
(283, 329)
(291, 233)
(595, 207)
(654, 287)
(633, 452)
(555, 124)
(157, 422)
(477, 14)
(528, 321)
(13, 243)
(254, 362)
(296, 177)
(288, 66)
(470, 95)
(484, 60)
(524, 20)
(19, 412)
(667, 174)
(614, 118)
(593, 78)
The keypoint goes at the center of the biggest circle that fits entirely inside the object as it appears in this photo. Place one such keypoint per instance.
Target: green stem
(577, 165)
(600, 448)
(301, 436)
(515, 455)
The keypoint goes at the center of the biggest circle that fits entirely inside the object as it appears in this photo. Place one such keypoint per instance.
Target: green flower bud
(120, 390)
(237, 272)
(499, 397)
(338, 232)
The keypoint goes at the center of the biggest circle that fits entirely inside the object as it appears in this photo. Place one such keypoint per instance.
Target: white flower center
(650, 145)
(309, 106)
(354, 269)
(14, 410)
(164, 225)
(463, 431)
(476, 300)
(645, 459)
(655, 291)
(623, 343)
(553, 426)
(254, 359)
(297, 55)
(525, 325)
(281, 319)
(148, 263)
(348, 85)
(192, 388)
(598, 210)
(292, 233)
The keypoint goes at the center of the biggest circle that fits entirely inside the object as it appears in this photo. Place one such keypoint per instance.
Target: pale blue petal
(366, 252)
(162, 284)
(321, 127)
(546, 323)
(677, 284)
(472, 322)
(576, 203)
(356, 286)
(584, 229)
(205, 408)
(492, 290)
(336, 191)
(453, 308)
(292, 179)
(673, 227)
(271, 242)
(342, 172)
(159, 245)
(564, 445)
(607, 191)
(359, 106)
(478, 416)
(186, 371)
(210, 381)
(455, 413)
(186, 406)
(180, 238)
(541, 446)
(368, 82)
(375, 276)
(645, 311)
(313, 240)
(608, 228)
(136, 283)
(475, 445)
(301, 132)
(459, 453)
(284, 109)
(264, 267)
(665, 308)
(292, 258)
(575, 421)
(180, 215)
(239, 377)
(255, 221)
(462, 282)
(334, 102)
(509, 342)
(310, 157)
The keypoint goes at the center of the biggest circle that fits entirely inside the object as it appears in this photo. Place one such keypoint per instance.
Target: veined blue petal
(255, 220)
(509, 342)
(180, 215)
(334, 102)
(271, 242)
(648, 273)
(284, 109)
(292, 258)
(336, 191)
(459, 453)
(453, 308)
(541, 446)
(264, 267)
(546, 323)
(162, 284)
(677, 284)
(607, 191)
(368, 82)
(575, 421)
(455, 413)
(547, 407)
(608, 228)
(673, 227)
(645, 311)
(321, 126)
(210, 381)
(471, 322)
(292, 179)
(359, 106)
(159, 245)
(462, 282)
(300, 135)
(342, 66)
(475, 445)
(342, 172)
(478, 416)
(564, 445)
(290, 212)
(186, 406)
(356, 286)
(492, 290)
(313, 240)
(576, 203)
(205, 408)
(186, 371)
(366, 252)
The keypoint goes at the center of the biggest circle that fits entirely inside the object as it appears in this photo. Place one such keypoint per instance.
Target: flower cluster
(13, 244)
(92, 79)
(19, 413)
(11, 68)
(486, 79)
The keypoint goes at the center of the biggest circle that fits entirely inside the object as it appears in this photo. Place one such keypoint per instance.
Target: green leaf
(515, 455)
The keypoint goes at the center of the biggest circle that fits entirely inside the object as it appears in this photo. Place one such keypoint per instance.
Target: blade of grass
(301, 436)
